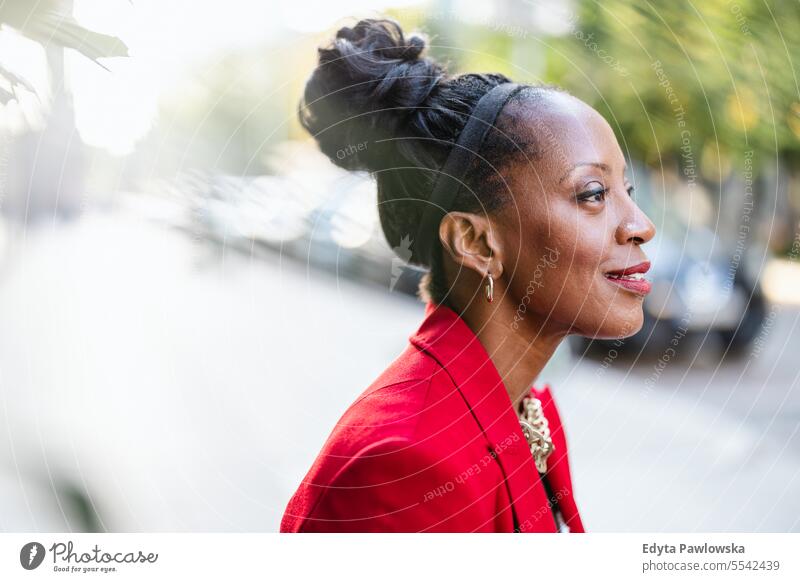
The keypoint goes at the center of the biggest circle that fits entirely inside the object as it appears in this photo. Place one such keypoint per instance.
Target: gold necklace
(536, 431)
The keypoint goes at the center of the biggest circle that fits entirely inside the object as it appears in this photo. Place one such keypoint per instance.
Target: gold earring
(490, 289)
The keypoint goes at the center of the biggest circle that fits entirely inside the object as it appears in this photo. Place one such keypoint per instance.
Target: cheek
(558, 273)
(558, 270)
(535, 264)
(606, 311)
(576, 294)
(582, 247)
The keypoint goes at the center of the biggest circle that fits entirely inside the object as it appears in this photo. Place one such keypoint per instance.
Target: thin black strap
(451, 175)
(551, 497)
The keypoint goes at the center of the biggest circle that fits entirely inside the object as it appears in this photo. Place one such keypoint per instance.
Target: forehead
(567, 131)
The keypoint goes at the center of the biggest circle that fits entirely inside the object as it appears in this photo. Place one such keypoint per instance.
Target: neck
(518, 354)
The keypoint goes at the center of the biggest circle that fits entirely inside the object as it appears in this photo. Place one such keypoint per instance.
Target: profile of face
(564, 249)
(569, 244)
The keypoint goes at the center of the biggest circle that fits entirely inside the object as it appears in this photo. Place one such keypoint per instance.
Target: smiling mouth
(631, 278)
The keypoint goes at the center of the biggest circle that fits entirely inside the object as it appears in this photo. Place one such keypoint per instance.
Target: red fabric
(434, 445)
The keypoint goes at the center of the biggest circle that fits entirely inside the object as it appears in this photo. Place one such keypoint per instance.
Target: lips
(631, 278)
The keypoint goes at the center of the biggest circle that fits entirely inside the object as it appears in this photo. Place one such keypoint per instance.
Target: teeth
(631, 277)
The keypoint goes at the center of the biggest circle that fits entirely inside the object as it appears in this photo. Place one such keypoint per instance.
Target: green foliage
(725, 71)
(731, 68)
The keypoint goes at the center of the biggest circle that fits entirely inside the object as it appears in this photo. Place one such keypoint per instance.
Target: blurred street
(151, 381)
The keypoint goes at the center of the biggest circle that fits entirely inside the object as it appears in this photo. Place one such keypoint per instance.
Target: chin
(615, 326)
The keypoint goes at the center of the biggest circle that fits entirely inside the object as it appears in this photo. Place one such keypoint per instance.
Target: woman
(515, 198)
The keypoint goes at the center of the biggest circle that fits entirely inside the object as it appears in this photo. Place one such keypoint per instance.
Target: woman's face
(573, 227)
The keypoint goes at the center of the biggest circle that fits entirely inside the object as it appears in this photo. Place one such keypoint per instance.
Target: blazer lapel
(558, 473)
(448, 339)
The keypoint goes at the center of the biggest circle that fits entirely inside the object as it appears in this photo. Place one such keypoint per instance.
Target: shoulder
(394, 485)
(401, 444)
(410, 395)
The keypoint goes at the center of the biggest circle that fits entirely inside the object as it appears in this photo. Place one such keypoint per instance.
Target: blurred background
(191, 294)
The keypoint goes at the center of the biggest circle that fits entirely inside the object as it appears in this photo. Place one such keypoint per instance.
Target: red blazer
(434, 445)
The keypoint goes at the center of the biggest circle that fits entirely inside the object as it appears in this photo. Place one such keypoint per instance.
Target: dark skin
(572, 220)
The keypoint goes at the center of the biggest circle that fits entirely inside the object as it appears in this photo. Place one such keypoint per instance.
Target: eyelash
(583, 197)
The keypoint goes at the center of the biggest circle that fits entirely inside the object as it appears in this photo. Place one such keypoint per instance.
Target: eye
(631, 190)
(593, 195)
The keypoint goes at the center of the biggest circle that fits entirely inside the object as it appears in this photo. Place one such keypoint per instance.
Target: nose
(635, 227)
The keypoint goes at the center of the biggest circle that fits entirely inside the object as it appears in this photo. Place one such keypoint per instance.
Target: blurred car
(330, 224)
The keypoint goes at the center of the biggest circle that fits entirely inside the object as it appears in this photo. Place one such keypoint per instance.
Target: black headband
(451, 175)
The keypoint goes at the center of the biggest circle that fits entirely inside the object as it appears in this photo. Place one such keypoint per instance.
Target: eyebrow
(598, 165)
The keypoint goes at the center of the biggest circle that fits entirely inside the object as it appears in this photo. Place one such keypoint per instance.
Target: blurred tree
(34, 188)
(50, 23)
(727, 68)
(708, 91)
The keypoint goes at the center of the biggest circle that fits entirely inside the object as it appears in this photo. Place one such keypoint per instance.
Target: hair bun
(382, 38)
(368, 81)
(416, 45)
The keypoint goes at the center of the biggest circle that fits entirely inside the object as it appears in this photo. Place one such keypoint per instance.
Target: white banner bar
(388, 557)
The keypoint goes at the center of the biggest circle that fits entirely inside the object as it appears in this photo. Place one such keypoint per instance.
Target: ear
(471, 242)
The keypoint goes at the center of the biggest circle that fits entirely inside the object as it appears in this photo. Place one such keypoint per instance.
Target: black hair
(375, 103)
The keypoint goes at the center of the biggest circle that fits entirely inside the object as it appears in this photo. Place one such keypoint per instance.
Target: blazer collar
(448, 339)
